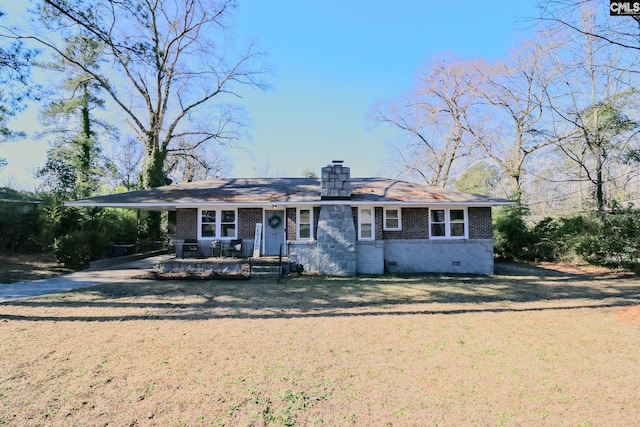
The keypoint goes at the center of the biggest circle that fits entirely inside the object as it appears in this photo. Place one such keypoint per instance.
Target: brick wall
(247, 220)
(291, 223)
(415, 225)
(378, 223)
(187, 223)
(480, 226)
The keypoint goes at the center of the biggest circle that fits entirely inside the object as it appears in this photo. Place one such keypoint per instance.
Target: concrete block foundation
(406, 256)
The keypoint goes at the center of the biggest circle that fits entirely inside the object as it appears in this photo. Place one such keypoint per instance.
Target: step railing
(280, 261)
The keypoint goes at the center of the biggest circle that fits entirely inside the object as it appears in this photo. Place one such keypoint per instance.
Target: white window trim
(218, 224)
(447, 223)
(373, 222)
(384, 218)
(311, 236)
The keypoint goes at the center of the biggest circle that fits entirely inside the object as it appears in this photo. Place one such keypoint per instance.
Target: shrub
(18, 225)
(511, 235)
(120, 224)
(73, 249)
(80, 236)
(592, 249)
(555, 238)
(604, 239)
(615, 242)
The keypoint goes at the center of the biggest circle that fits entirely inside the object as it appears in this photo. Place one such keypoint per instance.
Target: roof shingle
(252, 191)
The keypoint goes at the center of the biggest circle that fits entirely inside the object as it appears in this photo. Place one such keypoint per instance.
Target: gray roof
(285, 191)
(9, 195)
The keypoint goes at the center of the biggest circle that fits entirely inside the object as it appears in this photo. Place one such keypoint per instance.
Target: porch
(264, 268)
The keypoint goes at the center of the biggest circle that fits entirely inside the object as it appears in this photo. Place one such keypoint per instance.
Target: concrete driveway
(81, 279)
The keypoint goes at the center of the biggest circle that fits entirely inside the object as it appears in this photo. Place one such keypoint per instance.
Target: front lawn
(523, 347)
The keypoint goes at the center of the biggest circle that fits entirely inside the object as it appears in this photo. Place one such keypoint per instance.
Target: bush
(74, 249)
(18, 225)
(120, 224)
(74, 235)
(81, 235)
(604, 239)
(592, 249)
(555, 238)
(511, 235)
(615, 242)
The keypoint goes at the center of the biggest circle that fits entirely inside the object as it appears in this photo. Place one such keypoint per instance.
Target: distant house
(334, 225)
(17, 201)
(18, 219)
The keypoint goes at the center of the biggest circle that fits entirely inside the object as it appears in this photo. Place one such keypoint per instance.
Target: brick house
(334, 225)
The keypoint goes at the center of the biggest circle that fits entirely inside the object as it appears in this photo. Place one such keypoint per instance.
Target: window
(392, 219)
(365, 222)
(208, 224)
(447, 223)
(218, 224)
(305, 223)
(457, 227)
(437, 223)
(228, 224)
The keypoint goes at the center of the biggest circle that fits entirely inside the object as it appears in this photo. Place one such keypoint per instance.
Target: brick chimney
(336, 182)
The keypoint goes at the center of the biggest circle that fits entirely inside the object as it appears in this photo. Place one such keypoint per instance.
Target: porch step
(265, 271)
(266, 268)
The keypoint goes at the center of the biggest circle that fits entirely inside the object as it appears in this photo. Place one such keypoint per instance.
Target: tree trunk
(154, 176)
(599, 183)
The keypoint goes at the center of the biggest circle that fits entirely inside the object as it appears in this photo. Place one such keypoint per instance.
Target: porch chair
(235, 248)
(190, 247)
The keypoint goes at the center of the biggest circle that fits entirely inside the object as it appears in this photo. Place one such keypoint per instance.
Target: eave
(283, 204)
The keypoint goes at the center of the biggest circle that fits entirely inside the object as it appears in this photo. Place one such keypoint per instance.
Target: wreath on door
(274, 221)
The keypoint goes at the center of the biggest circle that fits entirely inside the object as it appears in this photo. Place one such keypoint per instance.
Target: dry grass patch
(525, 347)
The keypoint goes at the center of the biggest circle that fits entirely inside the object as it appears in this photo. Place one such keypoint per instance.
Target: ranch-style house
(335, 224)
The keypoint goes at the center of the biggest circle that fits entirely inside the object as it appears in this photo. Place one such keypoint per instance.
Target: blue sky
(332, 61)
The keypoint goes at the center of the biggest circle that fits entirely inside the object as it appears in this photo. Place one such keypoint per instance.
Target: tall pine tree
(74, 165)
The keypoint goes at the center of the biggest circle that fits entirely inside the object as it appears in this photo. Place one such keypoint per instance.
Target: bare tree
(432, 117)
(124, 169)
(168, 64)
(593, 99)
(515, 94)
(621, 31)
(206, 162)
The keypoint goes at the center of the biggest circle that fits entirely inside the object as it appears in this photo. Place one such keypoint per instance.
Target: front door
(273, 231)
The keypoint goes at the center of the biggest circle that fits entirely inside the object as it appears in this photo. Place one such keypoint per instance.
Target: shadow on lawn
(27, 268)
(513, 288)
